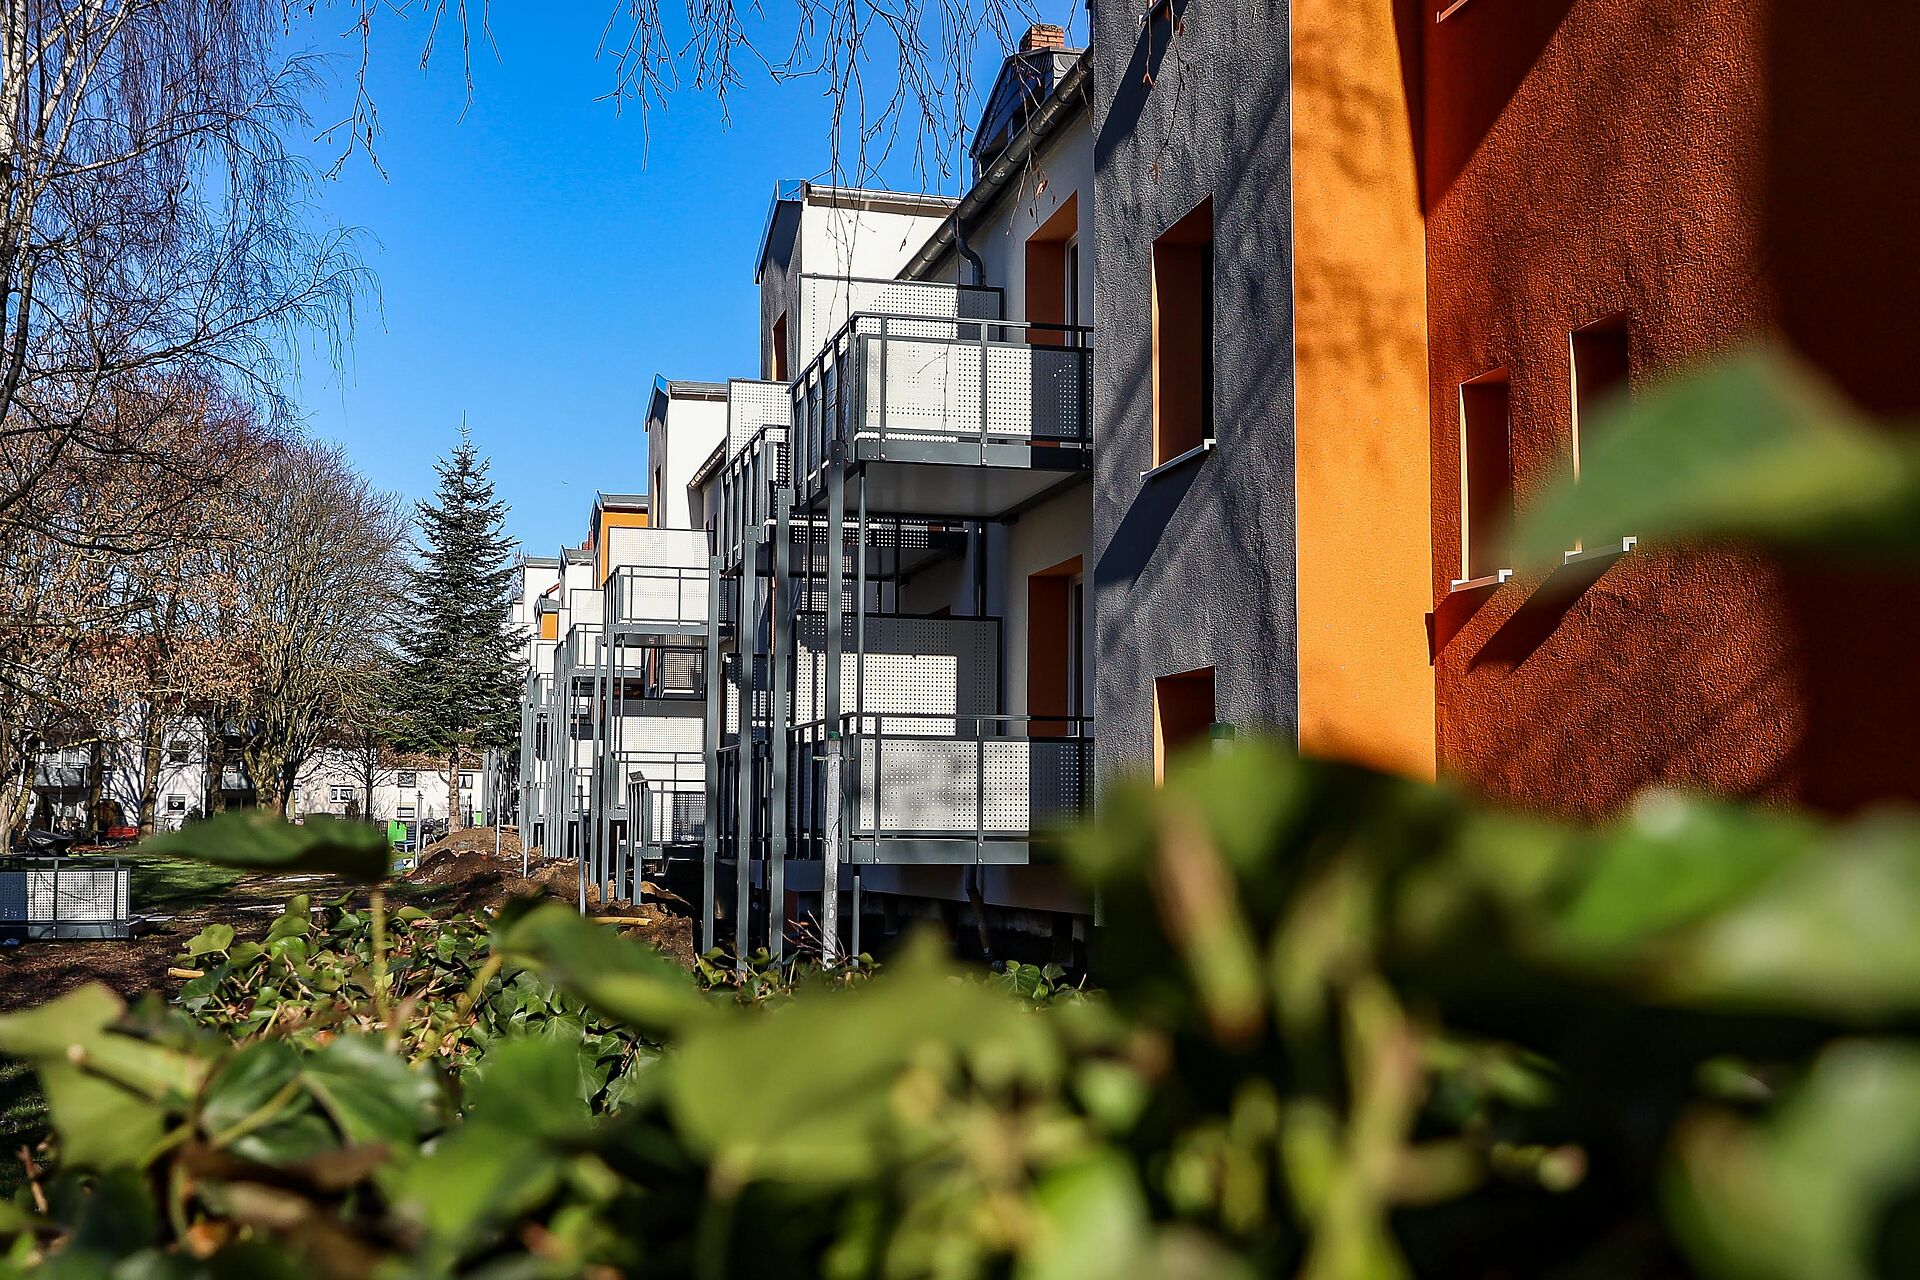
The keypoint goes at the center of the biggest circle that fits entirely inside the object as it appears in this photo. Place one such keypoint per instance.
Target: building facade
(1205, 413)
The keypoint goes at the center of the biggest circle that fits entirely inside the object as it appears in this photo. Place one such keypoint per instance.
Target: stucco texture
(1193, 568)
(1591, 159)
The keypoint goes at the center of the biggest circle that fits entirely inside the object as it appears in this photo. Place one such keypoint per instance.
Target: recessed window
(1183, 715)
(176, 804)
(466, 782)
(1053, 276)
(177, 751)
(1599, 373)
(1183, 336)
(1486, 474)
(777, 357)
(405, 778)
(405, 811)
(340, 795)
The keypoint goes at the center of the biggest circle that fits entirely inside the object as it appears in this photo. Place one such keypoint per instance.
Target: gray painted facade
(1195, 566)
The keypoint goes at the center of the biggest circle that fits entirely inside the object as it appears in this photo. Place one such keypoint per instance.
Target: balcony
(660, 606)
(752, 478)
(934, 790)
(666, 802)
(827, 302)
(945, 418)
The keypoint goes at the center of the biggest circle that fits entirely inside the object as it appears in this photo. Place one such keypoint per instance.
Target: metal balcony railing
(666, 798)
(748, 484)
(827, 302)
(952, 778)
(660, 595)
(969, 385)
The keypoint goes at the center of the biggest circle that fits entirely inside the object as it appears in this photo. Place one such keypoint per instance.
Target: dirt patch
(463, 875)
(35, 972)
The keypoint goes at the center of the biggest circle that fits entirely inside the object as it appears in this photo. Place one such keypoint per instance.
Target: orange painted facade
(604, 520)
(1360, 386)
(1695, 174)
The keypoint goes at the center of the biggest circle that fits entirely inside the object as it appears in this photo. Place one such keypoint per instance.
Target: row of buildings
(101, 786)
(1203, 414)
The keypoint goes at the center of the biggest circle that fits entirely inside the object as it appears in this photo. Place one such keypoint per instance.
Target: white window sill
(1605, 551)
(1487, 582)
(1179, 460)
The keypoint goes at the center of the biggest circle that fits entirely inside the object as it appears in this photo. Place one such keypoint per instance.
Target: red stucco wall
(1591, 158)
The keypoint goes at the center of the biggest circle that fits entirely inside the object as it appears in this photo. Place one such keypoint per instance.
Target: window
(177, 751)
(1599, 373)
(1053, 636)
(1053, 275)
(1183, 336)
(1486, 475)
(1182, 715)
(405, 811)
(777, 357)
(340, 795)
(176, 804)
(466, 782)
(405, 778)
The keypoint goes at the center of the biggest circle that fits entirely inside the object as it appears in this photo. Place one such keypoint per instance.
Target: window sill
(1179, 460)
(1466, 586)
(1605, 551)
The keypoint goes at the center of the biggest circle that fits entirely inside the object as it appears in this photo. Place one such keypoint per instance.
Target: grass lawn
(168, 886)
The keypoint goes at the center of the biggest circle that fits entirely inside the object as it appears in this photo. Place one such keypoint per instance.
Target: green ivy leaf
(210, 940)
(373, 1095)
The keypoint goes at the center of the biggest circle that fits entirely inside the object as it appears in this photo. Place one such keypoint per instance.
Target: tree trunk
(453, 792)
(370, 765)
(216, 769)
(92, 814)
(149, 772)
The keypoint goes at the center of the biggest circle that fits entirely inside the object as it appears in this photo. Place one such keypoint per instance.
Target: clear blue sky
(542, 255)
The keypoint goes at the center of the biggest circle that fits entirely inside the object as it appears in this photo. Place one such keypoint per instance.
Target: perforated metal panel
(917, 389)
(752, 405)
(827, 302)
(938, 667)
(658, 734)
(952, 787)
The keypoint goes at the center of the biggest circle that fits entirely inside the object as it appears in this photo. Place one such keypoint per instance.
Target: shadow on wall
(1719, 668)
(1464, 97)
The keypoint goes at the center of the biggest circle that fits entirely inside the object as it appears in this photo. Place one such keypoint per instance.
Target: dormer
(1027, 79)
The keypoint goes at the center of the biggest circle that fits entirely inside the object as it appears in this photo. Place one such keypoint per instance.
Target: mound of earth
(465, 876)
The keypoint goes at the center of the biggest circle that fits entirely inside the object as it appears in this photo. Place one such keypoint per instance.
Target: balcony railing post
(779, 654)
(709, 843)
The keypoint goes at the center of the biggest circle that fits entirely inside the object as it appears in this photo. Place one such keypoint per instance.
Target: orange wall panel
(1363, 483)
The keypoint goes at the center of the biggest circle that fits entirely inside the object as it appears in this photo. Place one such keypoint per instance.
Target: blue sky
(542, 255)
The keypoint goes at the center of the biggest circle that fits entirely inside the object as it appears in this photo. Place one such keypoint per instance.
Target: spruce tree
(460, 673)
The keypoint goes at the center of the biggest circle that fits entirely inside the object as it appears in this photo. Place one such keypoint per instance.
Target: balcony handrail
(1078, 726)
(830, 404)
(685, 610)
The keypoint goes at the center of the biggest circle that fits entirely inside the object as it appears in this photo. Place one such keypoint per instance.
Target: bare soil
(459, 873)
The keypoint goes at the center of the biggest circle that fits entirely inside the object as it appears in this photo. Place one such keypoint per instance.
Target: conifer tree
(458, 690)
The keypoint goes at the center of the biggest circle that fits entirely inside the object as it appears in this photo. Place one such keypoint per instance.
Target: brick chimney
(1043, 35)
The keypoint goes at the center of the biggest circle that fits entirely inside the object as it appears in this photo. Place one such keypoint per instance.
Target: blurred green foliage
(1349, 1027)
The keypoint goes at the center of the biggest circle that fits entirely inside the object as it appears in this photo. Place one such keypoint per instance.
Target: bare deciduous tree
(315, 591)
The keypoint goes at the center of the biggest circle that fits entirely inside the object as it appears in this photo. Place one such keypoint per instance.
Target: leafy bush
(1350, 1028)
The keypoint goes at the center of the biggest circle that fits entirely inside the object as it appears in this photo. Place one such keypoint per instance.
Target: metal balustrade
(666, 799)
(989, 393)
(748, 484)
(827, 302)
(655, 596)
(79, 897)
(914, 783)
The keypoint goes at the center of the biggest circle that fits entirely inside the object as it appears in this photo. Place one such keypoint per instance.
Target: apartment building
(1200, 414)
